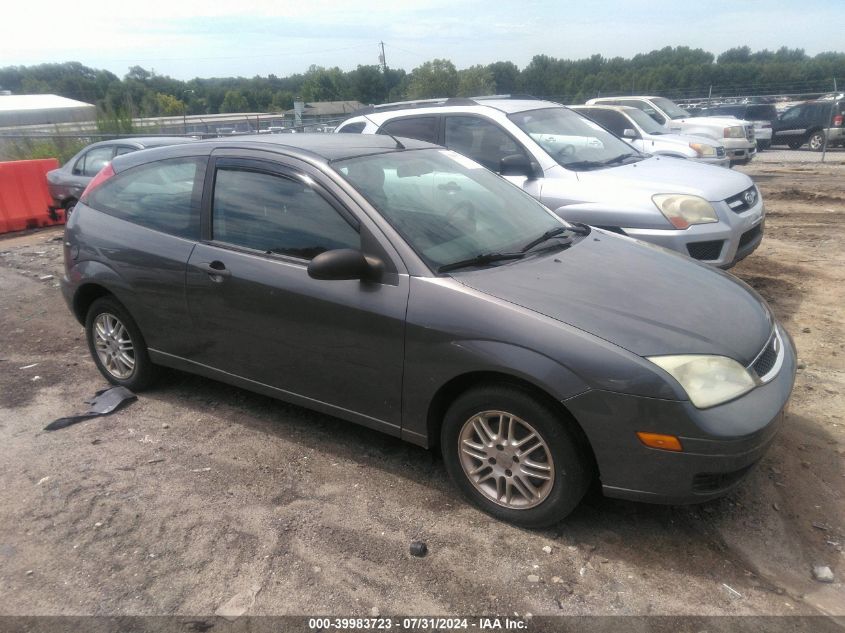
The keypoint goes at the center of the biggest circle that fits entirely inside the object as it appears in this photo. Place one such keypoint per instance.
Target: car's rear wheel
(514, 456)
(816, 141)
(116, 345)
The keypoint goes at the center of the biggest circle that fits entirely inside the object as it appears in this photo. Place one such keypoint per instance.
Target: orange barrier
(24, 197)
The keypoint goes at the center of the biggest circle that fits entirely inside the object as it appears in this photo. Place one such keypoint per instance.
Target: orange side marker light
(664, 442)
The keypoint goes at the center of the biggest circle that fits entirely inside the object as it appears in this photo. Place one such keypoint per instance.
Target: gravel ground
(200, 493)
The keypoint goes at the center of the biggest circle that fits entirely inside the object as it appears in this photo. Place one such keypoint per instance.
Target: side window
(483, 141)
(276, 214)
(164, 195)
(648, 109)
(124, 149)
(792, 114)
(93, 161)
(353, 128)
(613, 121)
(422, 128)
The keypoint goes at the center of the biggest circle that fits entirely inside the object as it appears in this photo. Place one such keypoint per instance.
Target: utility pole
(383, 61)
(825, 130)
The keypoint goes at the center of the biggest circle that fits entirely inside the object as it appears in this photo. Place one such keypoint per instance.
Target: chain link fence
(790, 128)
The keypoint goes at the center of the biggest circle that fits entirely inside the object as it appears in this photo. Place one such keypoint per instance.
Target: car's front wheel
(116, 344)
(514, 456)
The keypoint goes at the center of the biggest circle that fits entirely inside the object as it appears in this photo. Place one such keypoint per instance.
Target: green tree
(437, 78)
(234, 101)
(475, 81)
(505, 77)
(169, 105)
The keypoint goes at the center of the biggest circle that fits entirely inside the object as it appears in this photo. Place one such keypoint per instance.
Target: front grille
(705, 250)
(768, 357)
(744, 200)
(720, 152)
(714, 482)
(749, 132)
(749, 236)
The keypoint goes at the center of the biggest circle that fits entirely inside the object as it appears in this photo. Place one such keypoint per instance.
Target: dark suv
(809, 123)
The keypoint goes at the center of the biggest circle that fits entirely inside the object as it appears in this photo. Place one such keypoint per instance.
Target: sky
(214, 38)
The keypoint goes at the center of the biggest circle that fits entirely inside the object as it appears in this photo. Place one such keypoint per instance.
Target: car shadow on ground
(652, 538)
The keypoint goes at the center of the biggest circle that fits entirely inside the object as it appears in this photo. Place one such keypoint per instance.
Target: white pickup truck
(736, 135)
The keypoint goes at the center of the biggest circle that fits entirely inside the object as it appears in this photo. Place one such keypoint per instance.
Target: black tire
(69, 206)
(815, 142)
(144, 372)
(795, 144)
(763, 145)
(570, 455)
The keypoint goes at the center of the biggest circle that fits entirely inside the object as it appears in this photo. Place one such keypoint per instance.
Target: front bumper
(718, 161)
(723, 244)
(721, 444)
(739, 150)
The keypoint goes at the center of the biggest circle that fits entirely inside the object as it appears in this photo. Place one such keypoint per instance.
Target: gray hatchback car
(404, 287)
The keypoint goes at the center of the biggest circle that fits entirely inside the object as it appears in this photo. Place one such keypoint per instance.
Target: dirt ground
(201, 493)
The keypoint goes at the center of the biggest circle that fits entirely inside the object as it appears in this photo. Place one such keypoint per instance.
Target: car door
(260, 316)
(791, 126)
(487, 143)
(86, 167)
(616, 123)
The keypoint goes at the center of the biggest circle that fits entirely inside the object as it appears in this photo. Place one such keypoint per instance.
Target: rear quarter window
(353, 128)
(164, 196)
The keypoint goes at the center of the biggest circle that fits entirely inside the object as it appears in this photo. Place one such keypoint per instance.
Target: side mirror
(629, 133)
(517, 165)
(345, 263)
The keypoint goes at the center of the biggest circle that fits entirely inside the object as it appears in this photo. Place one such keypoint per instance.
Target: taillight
(837, 120)
(104, 174)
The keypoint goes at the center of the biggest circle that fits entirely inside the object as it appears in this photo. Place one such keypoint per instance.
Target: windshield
(446, 206)
(671, 110)
(573, 140)
(649, 125)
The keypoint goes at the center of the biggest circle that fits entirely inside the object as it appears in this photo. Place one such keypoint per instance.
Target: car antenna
(395, 140)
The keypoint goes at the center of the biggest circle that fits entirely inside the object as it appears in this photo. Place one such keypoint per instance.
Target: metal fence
(816, 144)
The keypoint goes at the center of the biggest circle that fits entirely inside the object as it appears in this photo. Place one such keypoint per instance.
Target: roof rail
(435, 103)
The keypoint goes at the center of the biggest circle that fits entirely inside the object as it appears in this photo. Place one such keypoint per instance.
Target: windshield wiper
(584, 164)
(480, 260)
(544, 237)
(618, 159)
(578, 229)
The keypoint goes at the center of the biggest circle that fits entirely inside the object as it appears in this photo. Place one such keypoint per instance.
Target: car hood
(643, 298)
(655, 175)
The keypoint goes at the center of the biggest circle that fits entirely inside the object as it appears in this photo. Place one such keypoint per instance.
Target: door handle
(216, 270)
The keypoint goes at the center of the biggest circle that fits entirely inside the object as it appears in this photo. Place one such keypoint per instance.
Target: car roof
(602, 106)
(501, 103)
(146, 141)
(317, 146)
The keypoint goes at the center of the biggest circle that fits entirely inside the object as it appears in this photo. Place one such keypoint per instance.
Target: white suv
(737, 136)
(586, 174)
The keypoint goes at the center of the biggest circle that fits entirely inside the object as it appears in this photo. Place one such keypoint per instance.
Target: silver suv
(586, 174)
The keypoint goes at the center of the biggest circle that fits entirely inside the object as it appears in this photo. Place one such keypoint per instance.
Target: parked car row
(811, 123)
(585, 173)
(388, 276)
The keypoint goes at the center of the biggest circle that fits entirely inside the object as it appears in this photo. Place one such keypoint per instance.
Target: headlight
(702, 149)
(735, 131)
(708, 380)
(683, 210)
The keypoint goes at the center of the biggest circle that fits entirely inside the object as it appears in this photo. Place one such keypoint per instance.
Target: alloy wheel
(506, 459)
(114, 346)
